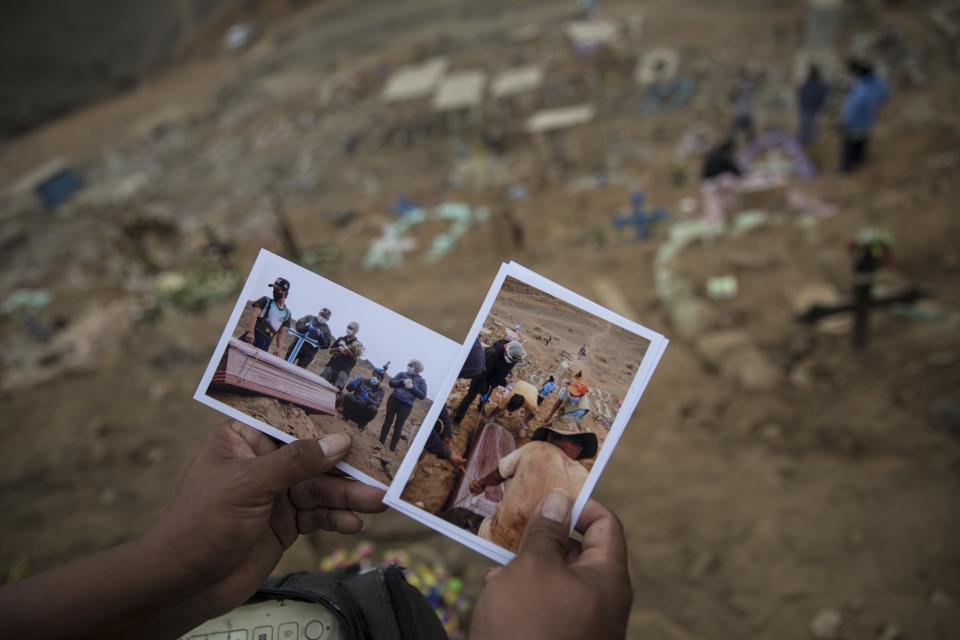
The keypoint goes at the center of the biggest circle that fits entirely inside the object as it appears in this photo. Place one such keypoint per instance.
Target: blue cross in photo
(639, 217)
(301, 338)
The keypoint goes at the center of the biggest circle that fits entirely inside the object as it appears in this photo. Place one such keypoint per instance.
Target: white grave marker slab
(511, 82)
(460, 91)
(592, 33)
(415, 81)
(563, 118)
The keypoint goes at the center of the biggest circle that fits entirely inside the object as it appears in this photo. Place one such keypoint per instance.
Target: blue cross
(403, 205)
(301, 338)
(639, 218)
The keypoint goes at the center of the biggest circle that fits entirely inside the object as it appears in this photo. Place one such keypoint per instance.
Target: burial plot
(459, 96)
(824, 23)
(515, 90)
(546, 128)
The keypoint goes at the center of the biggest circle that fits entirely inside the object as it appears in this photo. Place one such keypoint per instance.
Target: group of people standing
(868, 91)
(359, 398)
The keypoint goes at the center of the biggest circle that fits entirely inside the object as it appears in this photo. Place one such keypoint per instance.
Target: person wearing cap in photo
(343, 356)
(272, 319)
(549, 462)
(408, 387)
(362, 398)
(499, 360)
(573, 400)
(520, 395)
(315, 328)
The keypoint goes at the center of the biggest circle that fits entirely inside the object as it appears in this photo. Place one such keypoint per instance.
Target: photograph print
(302, 357)
(542, 391)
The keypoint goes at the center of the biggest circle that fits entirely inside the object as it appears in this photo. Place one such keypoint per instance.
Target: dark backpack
(376, 605)
(263, 326)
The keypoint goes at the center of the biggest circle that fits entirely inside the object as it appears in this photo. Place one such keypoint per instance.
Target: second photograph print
(535, 400)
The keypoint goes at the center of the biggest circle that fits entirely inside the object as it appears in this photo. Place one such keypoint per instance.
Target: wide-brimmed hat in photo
(588, 439)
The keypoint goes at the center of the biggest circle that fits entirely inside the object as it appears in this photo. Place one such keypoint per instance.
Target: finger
(548, 530)
(603, 540)
(300, 460)
(337, 493)
(337, 520)
(260, 443)
(491, 574)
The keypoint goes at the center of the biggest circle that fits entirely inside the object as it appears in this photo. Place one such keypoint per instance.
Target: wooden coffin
(492, 443)
(246, 367)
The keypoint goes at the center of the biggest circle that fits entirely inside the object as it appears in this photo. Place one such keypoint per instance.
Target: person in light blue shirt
(859, 115)
(548, 387)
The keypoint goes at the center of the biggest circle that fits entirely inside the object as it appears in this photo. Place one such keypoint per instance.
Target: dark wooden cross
(865, 266)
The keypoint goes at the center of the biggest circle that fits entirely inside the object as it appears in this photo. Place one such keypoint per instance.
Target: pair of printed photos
(464, 438)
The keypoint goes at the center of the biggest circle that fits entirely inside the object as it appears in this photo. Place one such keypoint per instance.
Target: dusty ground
(751, 502)
(613, 356)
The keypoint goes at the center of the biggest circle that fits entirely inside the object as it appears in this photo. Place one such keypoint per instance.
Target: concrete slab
(586, 34)
(562, 118)
(415, 81)
(511, 82)
(462, 90)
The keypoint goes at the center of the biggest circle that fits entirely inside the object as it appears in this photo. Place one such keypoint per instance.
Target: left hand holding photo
(242, 502)
(245, 499)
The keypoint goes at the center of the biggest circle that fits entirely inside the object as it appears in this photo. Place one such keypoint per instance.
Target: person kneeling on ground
(440, 440)
(315, 328)
(407, 388)
(245, 499)
(521, 395)
(573, 398)
(343, 356)
(362, 398)
(547, 462)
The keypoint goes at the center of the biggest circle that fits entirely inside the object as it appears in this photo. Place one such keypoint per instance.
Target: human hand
(556, 588)
(244, 500)
(247, 337)
(475, 487)
(456, 459)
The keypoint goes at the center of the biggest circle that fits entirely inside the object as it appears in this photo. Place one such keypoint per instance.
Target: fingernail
(555, 506)
(491, 574)
(334, 444)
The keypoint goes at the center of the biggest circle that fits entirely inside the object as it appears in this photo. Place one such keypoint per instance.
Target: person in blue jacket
(407, 388)
(361, 398)
(859, 114)
(811, 96)
(548, 387)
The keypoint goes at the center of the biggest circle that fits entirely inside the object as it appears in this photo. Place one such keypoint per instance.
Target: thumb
(548, 530)
(301, 460)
